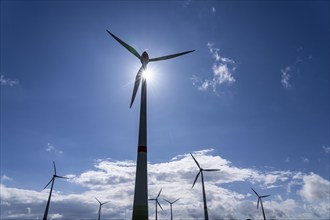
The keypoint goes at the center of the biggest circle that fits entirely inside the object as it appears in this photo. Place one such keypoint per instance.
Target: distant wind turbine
(140, 203)
(171, 203)
(52, 180)
(101, 204)
(201, 170)
(156, 202)
(260, 199)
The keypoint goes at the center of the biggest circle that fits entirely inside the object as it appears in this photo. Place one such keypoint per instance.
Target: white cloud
(285, 78)
(56, 216)
(4, 177)
(113, 181)
(326, 149)
(304, 159)
(287, 160)
(213, 9)
(7, 81)
(186, 3)
(314, 188)
(290, 70)
(52, 149)
(222, 72)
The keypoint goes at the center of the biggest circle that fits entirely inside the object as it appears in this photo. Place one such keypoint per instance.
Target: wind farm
(234, 87)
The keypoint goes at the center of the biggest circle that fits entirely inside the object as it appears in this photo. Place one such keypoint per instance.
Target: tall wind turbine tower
(260, 199)
(140, 203)
(201, 170)
(101, 204)
(52, 180)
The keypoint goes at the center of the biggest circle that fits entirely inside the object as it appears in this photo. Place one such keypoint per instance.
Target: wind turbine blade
(195, 160)
(136, 84)
(128, 47)
(151, 199)
(170, 56)
(159, 205)
(49, 183)
(98, 200)
(105, 203)
(196, 179)
(258, 203)
(54, 167)
(264, 196)
(159, 193)
(175, 201)
(255, 192)
(211, 169)
(63, 177)
(167, 201)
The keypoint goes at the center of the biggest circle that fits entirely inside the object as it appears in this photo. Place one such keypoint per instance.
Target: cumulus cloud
(314, 188)
(7, 81)
(52, 149)
(222, 72)
(113, 181)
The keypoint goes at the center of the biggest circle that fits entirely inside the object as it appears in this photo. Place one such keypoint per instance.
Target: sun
(147, 74)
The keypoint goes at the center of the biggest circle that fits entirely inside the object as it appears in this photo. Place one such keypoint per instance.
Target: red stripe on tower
(142, 149)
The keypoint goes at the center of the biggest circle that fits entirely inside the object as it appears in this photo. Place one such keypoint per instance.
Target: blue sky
(252, 100)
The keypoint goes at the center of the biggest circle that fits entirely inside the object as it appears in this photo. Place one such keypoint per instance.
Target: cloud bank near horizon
(294, 195)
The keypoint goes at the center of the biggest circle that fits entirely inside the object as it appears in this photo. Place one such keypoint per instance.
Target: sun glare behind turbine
(147, 74)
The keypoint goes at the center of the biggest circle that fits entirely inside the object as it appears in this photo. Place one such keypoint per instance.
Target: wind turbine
(52, 180)
(140, 203)
(259, 199)
(156, 202)
(201, 170)
(101, 204)
(171, 203)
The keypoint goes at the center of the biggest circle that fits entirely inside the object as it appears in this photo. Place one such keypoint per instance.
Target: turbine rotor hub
(144, 58)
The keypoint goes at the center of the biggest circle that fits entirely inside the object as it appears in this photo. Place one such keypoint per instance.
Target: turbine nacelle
(144, 59)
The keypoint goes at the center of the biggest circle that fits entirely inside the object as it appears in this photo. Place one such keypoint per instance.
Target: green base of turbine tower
(140, 213)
